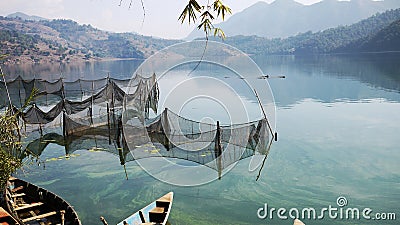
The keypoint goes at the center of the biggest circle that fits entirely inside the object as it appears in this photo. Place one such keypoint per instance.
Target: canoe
(30, 204)
(155, 213)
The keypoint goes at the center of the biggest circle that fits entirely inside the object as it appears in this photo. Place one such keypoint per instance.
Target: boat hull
(31, 204)
(156, 212)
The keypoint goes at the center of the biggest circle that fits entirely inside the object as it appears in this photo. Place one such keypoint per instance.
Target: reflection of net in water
(90, 114)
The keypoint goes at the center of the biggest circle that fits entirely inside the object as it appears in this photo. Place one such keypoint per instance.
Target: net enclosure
(88, 114)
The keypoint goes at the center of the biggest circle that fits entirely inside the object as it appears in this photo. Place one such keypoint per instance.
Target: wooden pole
(19, 93)
(91, 104)
(80, 86)
(165, 115)
(103, 220)
(65, 132)
(40, 129)
(112, 103)
(126, 173)
(64, 117)
(108, 124)
(218, 150)
(63, 125)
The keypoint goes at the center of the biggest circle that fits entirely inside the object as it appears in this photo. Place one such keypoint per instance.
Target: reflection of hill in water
(121, 69)
(333, 77)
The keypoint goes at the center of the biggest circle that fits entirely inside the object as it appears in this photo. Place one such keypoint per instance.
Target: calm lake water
(338, 121)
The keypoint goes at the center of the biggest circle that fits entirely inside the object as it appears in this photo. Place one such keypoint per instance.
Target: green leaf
(206, 25)
(219, 32)
(206, 15)
(221, 9)
(190, 11)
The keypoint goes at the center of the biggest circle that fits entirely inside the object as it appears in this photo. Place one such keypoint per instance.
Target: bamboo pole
(91, 104)
(112, 103)
(165, 115)
(108, 124)
(218, 150)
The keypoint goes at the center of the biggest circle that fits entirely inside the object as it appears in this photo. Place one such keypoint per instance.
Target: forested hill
(377, 33)
(65, 40)
(387, 39)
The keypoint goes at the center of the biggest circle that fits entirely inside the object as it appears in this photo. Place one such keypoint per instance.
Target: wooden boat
(30, 204)
(6, 218)
(155, 213)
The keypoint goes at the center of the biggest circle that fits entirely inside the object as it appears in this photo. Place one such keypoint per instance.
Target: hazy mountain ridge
(342, 39)
(65, 40)
(24, 16)
(285, 18)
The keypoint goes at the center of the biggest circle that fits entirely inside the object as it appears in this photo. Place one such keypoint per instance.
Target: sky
(160, 20)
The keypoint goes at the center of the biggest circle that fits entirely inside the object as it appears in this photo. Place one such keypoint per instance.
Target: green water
(338, 123)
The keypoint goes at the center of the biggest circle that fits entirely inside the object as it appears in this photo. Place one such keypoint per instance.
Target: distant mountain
(377, 33)
(65, 40)
(284, 18)
(23, 16)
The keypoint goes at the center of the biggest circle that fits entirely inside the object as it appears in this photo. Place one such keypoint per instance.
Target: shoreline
(28, 61)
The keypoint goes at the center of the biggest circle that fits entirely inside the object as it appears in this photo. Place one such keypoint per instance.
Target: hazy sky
(161, 16)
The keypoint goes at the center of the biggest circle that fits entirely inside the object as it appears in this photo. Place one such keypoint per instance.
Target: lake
(338, 121)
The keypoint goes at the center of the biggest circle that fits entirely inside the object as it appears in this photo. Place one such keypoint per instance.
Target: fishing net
(87, 114)
(170, 135)
(19, 90)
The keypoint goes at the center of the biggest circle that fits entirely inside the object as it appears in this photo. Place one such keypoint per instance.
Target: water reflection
(121, 69)
(333, 78)
(328, 78)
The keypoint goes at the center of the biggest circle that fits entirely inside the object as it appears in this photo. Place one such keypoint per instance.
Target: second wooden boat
(155, 213)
